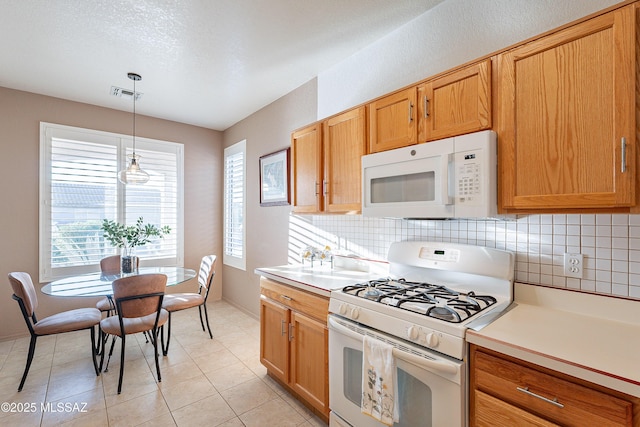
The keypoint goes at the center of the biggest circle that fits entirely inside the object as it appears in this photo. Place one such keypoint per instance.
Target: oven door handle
(432, 365)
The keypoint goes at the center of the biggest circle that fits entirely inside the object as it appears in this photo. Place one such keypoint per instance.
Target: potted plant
(129, 237)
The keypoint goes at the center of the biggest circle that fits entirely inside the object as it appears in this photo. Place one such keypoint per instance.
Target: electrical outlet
(573, 265)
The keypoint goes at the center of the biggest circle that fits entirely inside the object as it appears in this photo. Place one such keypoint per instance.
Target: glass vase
(128, 262)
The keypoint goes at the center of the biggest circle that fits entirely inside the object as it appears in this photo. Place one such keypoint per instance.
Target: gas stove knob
(355, 313)
(343, 309)
(432, 340)
(413, 333)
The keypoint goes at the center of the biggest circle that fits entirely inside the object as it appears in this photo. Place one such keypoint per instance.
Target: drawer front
(312, 305)
(528, 388)
(493, 412)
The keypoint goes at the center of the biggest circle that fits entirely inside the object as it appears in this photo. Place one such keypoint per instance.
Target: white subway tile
(620, 219)
(620, 278)
(603, 219)
(573, 283)
(588, 285)
(589, 219)
(620, 290)
(620, 266)
(603, 287)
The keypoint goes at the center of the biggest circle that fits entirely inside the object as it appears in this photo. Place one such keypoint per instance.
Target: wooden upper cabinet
(566, 117)
(456, 103)
(344, 140)
(306, 154)
(392, 121)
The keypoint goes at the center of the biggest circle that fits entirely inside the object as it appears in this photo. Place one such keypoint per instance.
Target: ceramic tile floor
(206, 382)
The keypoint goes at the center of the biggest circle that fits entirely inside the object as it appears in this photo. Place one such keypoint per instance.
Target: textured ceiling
(208, 63)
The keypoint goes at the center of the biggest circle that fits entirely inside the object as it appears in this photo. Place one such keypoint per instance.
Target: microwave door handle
(432, 365)
(446, 177)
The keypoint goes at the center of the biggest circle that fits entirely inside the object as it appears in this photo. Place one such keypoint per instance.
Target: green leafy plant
(127, 237)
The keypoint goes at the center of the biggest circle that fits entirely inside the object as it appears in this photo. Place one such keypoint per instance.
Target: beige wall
(20, 117)
(266, 131)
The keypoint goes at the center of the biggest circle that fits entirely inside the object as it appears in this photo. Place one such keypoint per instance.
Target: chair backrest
(207, 271)
(139, 295)
(112, 263)
(23, 288)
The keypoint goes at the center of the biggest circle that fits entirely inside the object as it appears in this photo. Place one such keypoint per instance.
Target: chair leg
(113, 343)
(93, 348)
(206, 315)
(155, 352)
(32, 349)
(200, 313)
(103, 337)
(121, 365)
(165, 348)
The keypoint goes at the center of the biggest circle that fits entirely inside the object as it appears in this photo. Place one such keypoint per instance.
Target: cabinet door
(455, 104)
(344, 141)
(274, 338)
(566, 130)
(310, 361)
(306, 153)
(392, 121)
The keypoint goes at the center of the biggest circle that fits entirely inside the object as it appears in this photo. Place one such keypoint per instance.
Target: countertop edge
(612, 381)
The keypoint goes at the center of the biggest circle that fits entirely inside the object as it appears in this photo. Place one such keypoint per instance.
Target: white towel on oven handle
(379, 381)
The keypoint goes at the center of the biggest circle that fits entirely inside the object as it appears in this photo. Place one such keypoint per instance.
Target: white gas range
(436, 291)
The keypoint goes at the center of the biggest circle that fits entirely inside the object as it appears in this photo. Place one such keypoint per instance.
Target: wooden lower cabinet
(294, 342)
(505, 391)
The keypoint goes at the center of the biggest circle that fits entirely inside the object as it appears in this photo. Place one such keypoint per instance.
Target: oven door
(431, 387)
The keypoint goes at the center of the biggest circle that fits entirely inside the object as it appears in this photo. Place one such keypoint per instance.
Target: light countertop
(592, 337)
(321, 279)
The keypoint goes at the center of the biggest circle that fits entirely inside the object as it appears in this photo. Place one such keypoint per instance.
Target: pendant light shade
(133, 174)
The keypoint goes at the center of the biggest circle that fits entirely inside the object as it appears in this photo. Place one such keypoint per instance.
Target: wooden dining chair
(107, 265)
(182, 301)
(67, 321)
(138, 302)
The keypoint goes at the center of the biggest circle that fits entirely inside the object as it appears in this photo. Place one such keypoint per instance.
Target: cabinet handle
(283, 330)
(553, 402)
(623, 157)
(325, 187)
(290, 331)
(288, 298)
(426, 106)
(410, 112)
(317, 188)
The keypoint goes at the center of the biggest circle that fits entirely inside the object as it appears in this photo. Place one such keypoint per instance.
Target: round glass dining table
(99, 284)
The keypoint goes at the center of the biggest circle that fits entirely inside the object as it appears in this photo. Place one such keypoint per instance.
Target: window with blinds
(79, 188)
(234, 205)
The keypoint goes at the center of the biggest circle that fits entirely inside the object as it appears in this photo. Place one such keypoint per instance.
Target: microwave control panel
(468, 177)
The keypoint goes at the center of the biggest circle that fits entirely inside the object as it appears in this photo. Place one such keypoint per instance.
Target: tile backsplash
(610, 244)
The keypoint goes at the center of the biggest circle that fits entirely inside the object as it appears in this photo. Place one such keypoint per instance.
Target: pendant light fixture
(133, 174)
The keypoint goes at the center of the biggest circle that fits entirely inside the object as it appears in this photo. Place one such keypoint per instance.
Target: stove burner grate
(435, 301)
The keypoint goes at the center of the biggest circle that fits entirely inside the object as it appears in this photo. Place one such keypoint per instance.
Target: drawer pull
(286, 297)
(553, 402)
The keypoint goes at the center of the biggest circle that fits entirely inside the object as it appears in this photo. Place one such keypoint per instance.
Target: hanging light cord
(134, 117)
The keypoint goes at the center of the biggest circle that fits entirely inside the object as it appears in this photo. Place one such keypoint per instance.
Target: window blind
(79, 189)
(234, 206)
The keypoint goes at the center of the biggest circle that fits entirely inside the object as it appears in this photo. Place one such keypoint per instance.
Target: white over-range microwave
(448, 178)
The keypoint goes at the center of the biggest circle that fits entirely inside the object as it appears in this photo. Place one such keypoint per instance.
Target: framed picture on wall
(274, 179)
